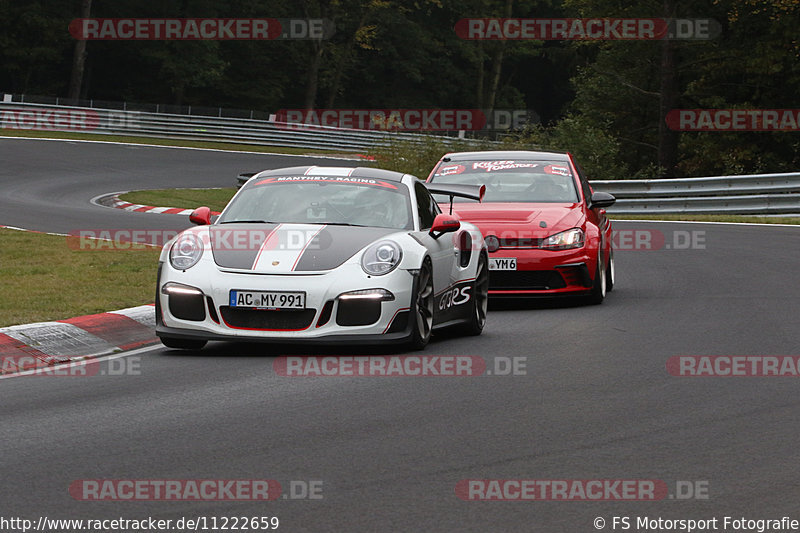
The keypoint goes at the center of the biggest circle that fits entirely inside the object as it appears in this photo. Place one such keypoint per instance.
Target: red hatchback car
(547, 231)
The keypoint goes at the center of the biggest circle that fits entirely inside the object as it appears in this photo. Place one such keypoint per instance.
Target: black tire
(422, 305)
(183, 344)
(610, 272)
(479, 304)
(599, 288)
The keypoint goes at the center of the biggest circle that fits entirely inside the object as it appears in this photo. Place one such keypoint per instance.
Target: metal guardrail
(760, 194)
(764, 194)
(200, 128)
(717, 186)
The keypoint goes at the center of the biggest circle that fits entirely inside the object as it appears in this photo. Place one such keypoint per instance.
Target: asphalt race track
(47, 185)
(595, 402)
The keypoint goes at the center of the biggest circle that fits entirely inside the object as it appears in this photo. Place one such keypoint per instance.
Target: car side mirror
(201, 216)
(444, 223)
(602, 199)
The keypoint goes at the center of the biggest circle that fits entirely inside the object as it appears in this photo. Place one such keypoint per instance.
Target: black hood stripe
(334, 245)
(228, 253)
(306, 246)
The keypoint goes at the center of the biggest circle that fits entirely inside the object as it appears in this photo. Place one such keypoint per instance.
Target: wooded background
(607, 98)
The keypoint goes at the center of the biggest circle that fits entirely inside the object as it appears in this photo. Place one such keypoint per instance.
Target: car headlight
(572, 238)
(186, 251)
(381, 258)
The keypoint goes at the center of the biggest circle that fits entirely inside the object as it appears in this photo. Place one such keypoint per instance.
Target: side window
(587, 189)
(426, 206)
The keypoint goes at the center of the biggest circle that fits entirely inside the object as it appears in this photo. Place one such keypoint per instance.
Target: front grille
(525, 279)
(520, 243)
(268, 319)
(576, 275)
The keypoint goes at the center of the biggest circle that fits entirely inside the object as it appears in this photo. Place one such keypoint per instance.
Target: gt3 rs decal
(453, 297)
(451, 304)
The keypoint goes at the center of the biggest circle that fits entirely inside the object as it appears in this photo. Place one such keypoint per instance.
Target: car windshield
(323, 200)
(512, 180)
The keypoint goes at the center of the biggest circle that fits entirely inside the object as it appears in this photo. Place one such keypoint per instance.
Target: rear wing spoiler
(473, 192)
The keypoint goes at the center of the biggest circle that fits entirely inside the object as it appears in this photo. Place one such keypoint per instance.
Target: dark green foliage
(602, 100)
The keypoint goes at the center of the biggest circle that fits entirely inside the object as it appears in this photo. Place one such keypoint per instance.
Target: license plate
(268, 299)
(502, 263)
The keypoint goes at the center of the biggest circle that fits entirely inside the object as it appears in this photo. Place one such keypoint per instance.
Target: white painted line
(35, 231)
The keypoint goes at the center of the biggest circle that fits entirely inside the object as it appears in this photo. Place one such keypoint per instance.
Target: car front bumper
(544, 273)
(327, 318)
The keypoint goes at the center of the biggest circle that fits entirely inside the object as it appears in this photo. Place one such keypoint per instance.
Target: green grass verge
(750, 219)
(46, 279)
(216, 199)
(233, 147)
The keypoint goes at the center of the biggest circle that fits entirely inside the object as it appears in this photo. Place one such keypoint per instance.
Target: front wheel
(480, 299)
(610, 272)
(183, 344)
(422, 304)
(598, 293)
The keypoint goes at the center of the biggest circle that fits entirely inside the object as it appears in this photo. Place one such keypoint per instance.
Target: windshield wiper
(342, 224)
(247, 222)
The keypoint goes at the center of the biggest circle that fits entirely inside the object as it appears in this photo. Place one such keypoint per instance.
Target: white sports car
(324, 254)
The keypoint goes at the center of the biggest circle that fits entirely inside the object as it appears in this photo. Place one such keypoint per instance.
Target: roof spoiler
(473, 192)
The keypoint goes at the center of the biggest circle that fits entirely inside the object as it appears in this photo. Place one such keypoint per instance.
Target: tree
(79, 59)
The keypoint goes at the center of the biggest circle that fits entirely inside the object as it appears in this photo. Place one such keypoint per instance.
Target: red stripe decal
(306, 246)
(264, 245)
